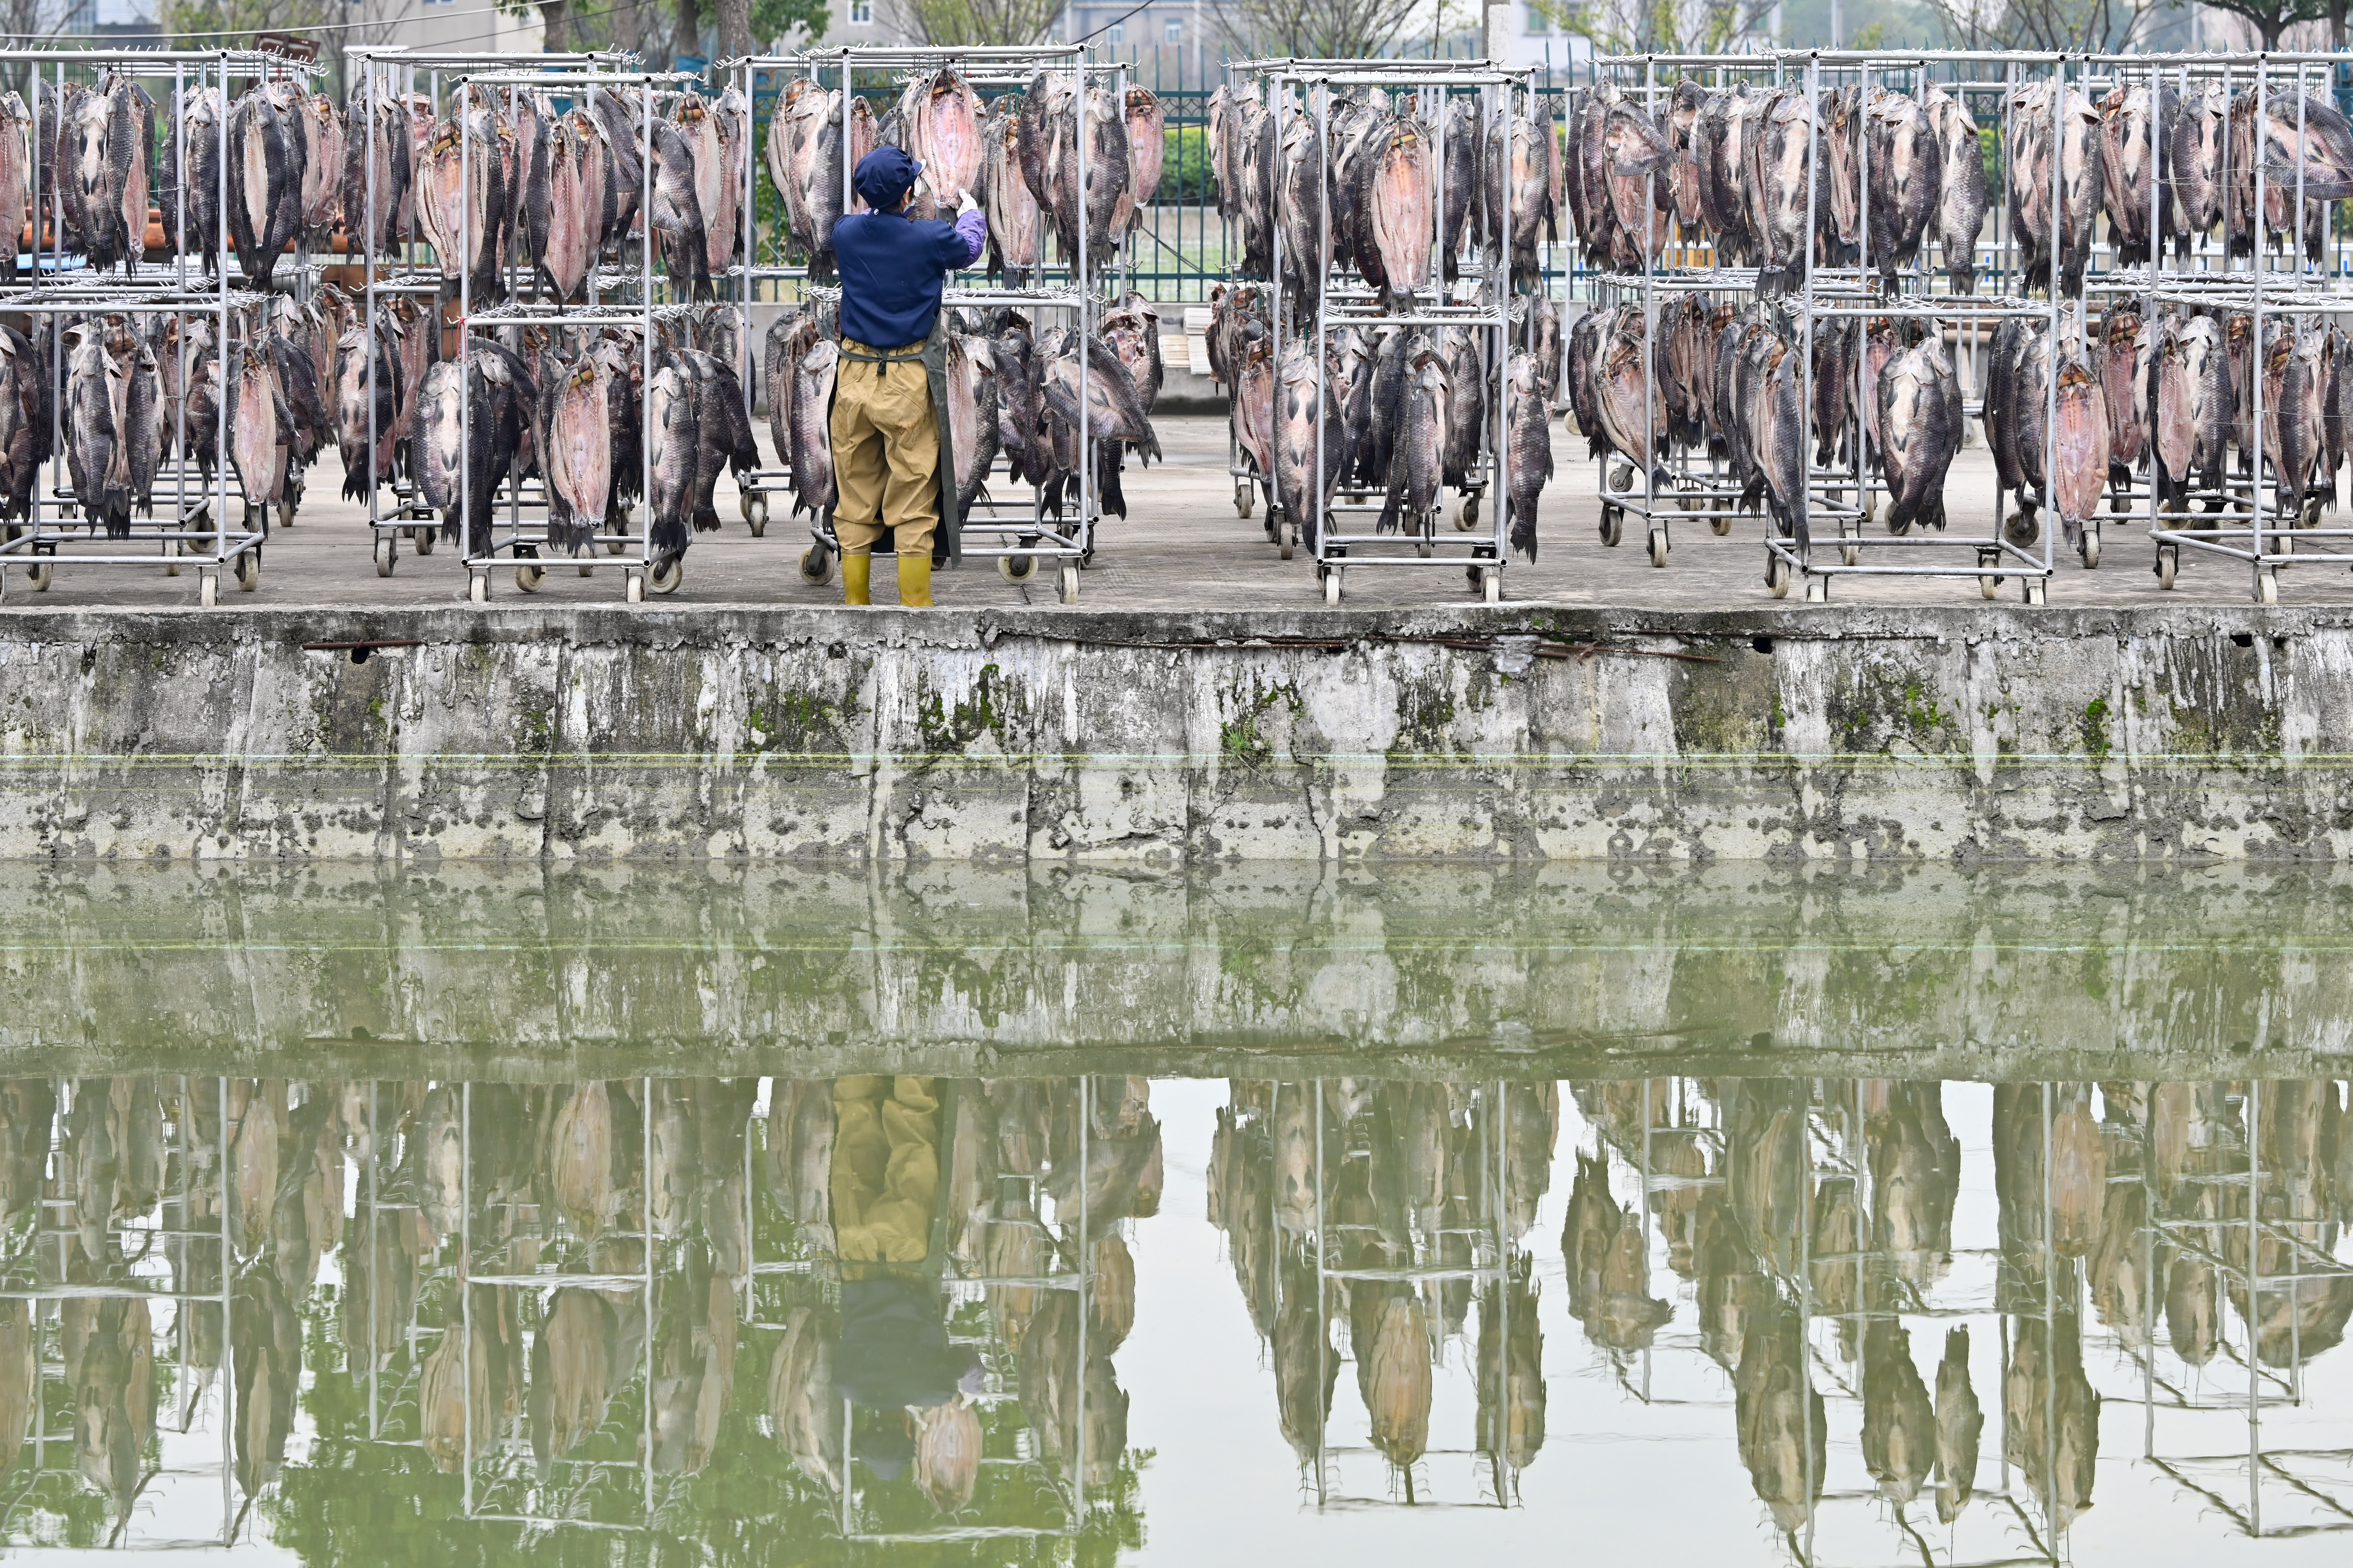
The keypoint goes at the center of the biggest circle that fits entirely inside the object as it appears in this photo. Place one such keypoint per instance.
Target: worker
(892, 462)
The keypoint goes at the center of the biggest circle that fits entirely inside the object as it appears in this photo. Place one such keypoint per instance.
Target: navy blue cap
(884, 175)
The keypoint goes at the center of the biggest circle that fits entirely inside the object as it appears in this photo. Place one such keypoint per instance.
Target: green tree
(773, 20)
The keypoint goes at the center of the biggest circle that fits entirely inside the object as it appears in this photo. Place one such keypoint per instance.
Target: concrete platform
(1182, 548)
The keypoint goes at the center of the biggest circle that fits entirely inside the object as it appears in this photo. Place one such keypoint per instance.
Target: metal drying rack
(1842, 492)
(1020, 544)
(195, 530)
(1339, 306)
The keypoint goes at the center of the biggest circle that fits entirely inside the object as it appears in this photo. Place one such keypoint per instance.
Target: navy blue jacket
(892, 268)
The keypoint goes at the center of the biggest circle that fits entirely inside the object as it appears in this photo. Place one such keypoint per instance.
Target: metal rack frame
(2305, 291)
(197, 531)
(1490, 316)
(1022, 544)
(390, 75)
(1833, 294)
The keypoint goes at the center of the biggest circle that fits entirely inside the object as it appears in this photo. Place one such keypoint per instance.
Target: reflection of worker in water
(894, 1355)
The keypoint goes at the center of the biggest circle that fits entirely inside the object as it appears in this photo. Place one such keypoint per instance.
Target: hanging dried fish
(1918, 401)
(114, 423)
(1961, 198)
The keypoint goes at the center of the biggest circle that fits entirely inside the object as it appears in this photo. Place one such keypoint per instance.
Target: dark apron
(947, 542)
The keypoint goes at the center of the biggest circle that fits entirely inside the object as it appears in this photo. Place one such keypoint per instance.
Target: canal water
(773, 1216)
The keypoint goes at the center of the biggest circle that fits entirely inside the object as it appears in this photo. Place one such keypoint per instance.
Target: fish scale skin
(1961, 201)
(1299, 205)
(1918, 403)
(1528, 438)
(1906, 176)
(2081, 447)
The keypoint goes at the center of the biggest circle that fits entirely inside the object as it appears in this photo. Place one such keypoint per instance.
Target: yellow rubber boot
(857, 573)
(915, 580)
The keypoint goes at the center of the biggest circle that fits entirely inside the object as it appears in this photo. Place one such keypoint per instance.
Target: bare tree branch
(2076, 25)
(1659, 26)
(976, 22)
(1312, 29)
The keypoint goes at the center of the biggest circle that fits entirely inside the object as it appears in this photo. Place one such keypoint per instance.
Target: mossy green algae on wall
(543, 733)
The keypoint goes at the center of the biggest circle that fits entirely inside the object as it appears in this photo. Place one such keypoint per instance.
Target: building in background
(466, 24)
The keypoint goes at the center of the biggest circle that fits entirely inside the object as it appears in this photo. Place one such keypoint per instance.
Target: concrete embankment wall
(591, 734)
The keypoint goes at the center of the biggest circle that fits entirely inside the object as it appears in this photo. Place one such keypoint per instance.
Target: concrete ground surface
(1183, 547)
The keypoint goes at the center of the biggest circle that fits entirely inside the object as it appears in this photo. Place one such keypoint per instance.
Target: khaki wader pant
(886, 450)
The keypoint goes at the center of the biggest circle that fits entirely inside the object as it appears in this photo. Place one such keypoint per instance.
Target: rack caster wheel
(1658, 544)
(40, 574)
(1613, 525)
(424, 537)
(286, 513)
(1988, 581)
(669, 574)
(477, 587)
(2090, 548)
(1776, 576)
(1491, 585)
(1817, 590)
(1466, 517)
(2035, 590)
(1068, 592)
(1332, 585)
(1242, 500)
(633, 587)
(1849, 549)
(208, 587)
(171, 558)
(1016, 568)
(530, 575)
(756, 512)
(1425, 547)
(387, 552)
(615, 546)
(817, 565)
(1720, 526)
(1621, 478)
(2169, 563)
(2268, 586)
(587, 570)
(1289, 544)
(247, 568)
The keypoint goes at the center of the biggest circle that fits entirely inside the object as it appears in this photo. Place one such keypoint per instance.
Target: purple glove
(972, 227)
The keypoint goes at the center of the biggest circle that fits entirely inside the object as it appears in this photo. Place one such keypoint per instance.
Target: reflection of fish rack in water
(497, 1488)
(391, 76)
(964, 1279)
(1489, 1258)
(1833, 1123)
(195, 529)
(1486, 315)
(1019, 544)
(173, 1233)
(2275, 1379)
(1845, 493)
